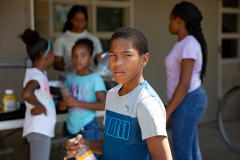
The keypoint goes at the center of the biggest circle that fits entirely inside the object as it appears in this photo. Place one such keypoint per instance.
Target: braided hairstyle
(190, 13)
(36, 46)
(71, 13)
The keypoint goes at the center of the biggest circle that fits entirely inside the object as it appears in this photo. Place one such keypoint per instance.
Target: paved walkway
(211, 144)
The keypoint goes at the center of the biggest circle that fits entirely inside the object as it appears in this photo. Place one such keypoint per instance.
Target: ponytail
(36, 46)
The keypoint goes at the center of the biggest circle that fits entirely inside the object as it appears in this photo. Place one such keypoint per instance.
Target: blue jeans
(91, 132)
(62, 78)
(184, 125)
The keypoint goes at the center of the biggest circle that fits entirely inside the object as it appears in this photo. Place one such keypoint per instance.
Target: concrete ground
(211, 144)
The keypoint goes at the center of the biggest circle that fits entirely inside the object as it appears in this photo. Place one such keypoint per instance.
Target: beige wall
(13, 22)
(152, 18)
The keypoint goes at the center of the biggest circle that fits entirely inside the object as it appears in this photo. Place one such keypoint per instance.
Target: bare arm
(97, 58)
(29, 96)
(99, 105)
(159, 148)
(183, 86)
(73, 146)
(58, 63)
(62, 106)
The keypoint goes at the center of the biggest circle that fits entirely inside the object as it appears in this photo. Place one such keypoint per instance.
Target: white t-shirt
(41, 124)
(187, 48)
(64, 43)
(131, 119)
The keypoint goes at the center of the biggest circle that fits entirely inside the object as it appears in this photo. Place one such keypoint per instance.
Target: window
(109, 19)
(105, 44)
(230, 3)
(229, 48)
(229, 23)
(104, 16)
(230, 33)
(60, 16)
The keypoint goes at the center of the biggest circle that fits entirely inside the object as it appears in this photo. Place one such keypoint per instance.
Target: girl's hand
(167, 116)
(69, 67)
(73, 145)
(168, 119)
(62, 106)
(37, 111)
(70, 101)
(169, 123)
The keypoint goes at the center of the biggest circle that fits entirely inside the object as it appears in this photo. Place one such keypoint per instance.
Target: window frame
(91, 6)
(230, 35)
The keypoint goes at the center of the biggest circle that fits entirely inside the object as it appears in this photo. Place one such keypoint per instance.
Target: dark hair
(138, 39)
(71, 13)
(36, 46)
(190, 13)
(86, 42)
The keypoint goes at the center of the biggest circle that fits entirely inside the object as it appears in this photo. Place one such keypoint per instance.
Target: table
(18, 123)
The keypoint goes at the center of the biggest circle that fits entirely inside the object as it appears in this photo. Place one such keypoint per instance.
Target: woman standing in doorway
(74, 29)
(186, 67)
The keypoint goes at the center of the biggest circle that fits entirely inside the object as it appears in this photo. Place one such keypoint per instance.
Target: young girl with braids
(40, 116)
(185, 67)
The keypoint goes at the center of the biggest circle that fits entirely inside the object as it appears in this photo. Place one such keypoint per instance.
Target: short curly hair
(138, 39)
